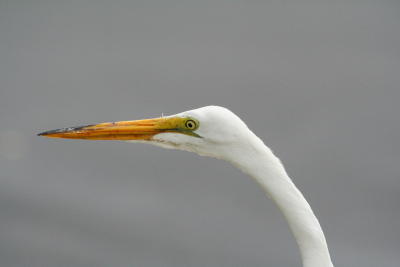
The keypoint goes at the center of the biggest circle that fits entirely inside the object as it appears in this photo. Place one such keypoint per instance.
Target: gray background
(317, 80)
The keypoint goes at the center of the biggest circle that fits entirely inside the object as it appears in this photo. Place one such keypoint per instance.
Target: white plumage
(217, 132)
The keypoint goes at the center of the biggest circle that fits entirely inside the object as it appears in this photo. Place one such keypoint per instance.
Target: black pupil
(190, 124)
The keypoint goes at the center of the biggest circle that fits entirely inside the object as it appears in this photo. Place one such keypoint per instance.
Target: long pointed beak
(122, 130)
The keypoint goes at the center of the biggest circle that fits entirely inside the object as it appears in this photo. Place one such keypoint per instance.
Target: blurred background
(318, 81)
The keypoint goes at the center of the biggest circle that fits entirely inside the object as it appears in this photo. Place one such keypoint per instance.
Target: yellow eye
(191, 124)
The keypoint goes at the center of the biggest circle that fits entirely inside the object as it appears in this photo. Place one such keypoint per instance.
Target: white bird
(217, 132)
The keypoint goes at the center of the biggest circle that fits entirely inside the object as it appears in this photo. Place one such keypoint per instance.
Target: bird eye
(190, 124)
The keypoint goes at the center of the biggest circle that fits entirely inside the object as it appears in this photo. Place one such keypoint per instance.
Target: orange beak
(122, 130)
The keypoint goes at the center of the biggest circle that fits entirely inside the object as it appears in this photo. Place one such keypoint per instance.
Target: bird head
(210, 131)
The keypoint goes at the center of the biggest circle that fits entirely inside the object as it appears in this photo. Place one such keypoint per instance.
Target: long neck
(258, 161)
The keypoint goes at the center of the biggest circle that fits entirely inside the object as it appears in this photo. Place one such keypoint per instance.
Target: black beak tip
(52, 132)
(64, 130)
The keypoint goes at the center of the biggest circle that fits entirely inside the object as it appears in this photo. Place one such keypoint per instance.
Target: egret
(217, 132)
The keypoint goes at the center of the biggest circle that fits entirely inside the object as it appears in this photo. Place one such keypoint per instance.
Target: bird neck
(258, 161)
